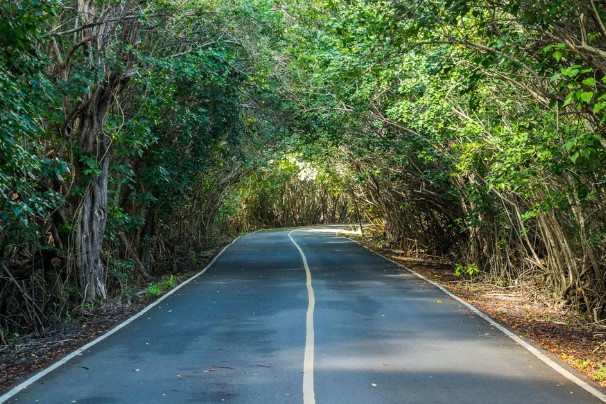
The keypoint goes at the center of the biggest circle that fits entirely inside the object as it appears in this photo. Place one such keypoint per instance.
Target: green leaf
(569, 99)
(598, 107)
(590, 82)
(569, 144)
(586, 96)
(569, 71)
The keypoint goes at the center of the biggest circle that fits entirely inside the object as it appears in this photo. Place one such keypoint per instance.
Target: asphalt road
(362, 329)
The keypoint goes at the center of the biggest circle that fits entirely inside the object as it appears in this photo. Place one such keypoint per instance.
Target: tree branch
(93, 24)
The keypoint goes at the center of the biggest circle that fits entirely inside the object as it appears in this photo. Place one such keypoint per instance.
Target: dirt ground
(564, 333)
(30, 354)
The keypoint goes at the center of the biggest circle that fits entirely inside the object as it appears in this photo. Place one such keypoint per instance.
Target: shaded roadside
(29, 354)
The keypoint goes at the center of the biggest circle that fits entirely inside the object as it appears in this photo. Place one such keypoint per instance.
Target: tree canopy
(136, 131)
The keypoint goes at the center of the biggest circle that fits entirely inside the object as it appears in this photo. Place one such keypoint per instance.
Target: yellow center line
(308, 360)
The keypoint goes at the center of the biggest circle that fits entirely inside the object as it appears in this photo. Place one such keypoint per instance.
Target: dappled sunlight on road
(416, 355)
(339, 229)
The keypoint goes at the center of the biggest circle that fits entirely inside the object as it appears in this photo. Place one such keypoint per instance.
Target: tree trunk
(93, 143)
(92, 215)
(89, 237)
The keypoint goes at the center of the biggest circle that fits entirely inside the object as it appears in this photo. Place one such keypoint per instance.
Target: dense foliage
(123, 125)
(137, 132)
(473, 129)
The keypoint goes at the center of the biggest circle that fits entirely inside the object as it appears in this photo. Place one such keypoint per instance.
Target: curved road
(261, 326)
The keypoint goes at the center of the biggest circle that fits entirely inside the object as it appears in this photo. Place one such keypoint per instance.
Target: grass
(155, 289)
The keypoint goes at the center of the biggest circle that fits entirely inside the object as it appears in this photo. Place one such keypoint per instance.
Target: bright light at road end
(307, 172)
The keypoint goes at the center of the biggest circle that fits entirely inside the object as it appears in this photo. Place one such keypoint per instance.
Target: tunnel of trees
(137, 131)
